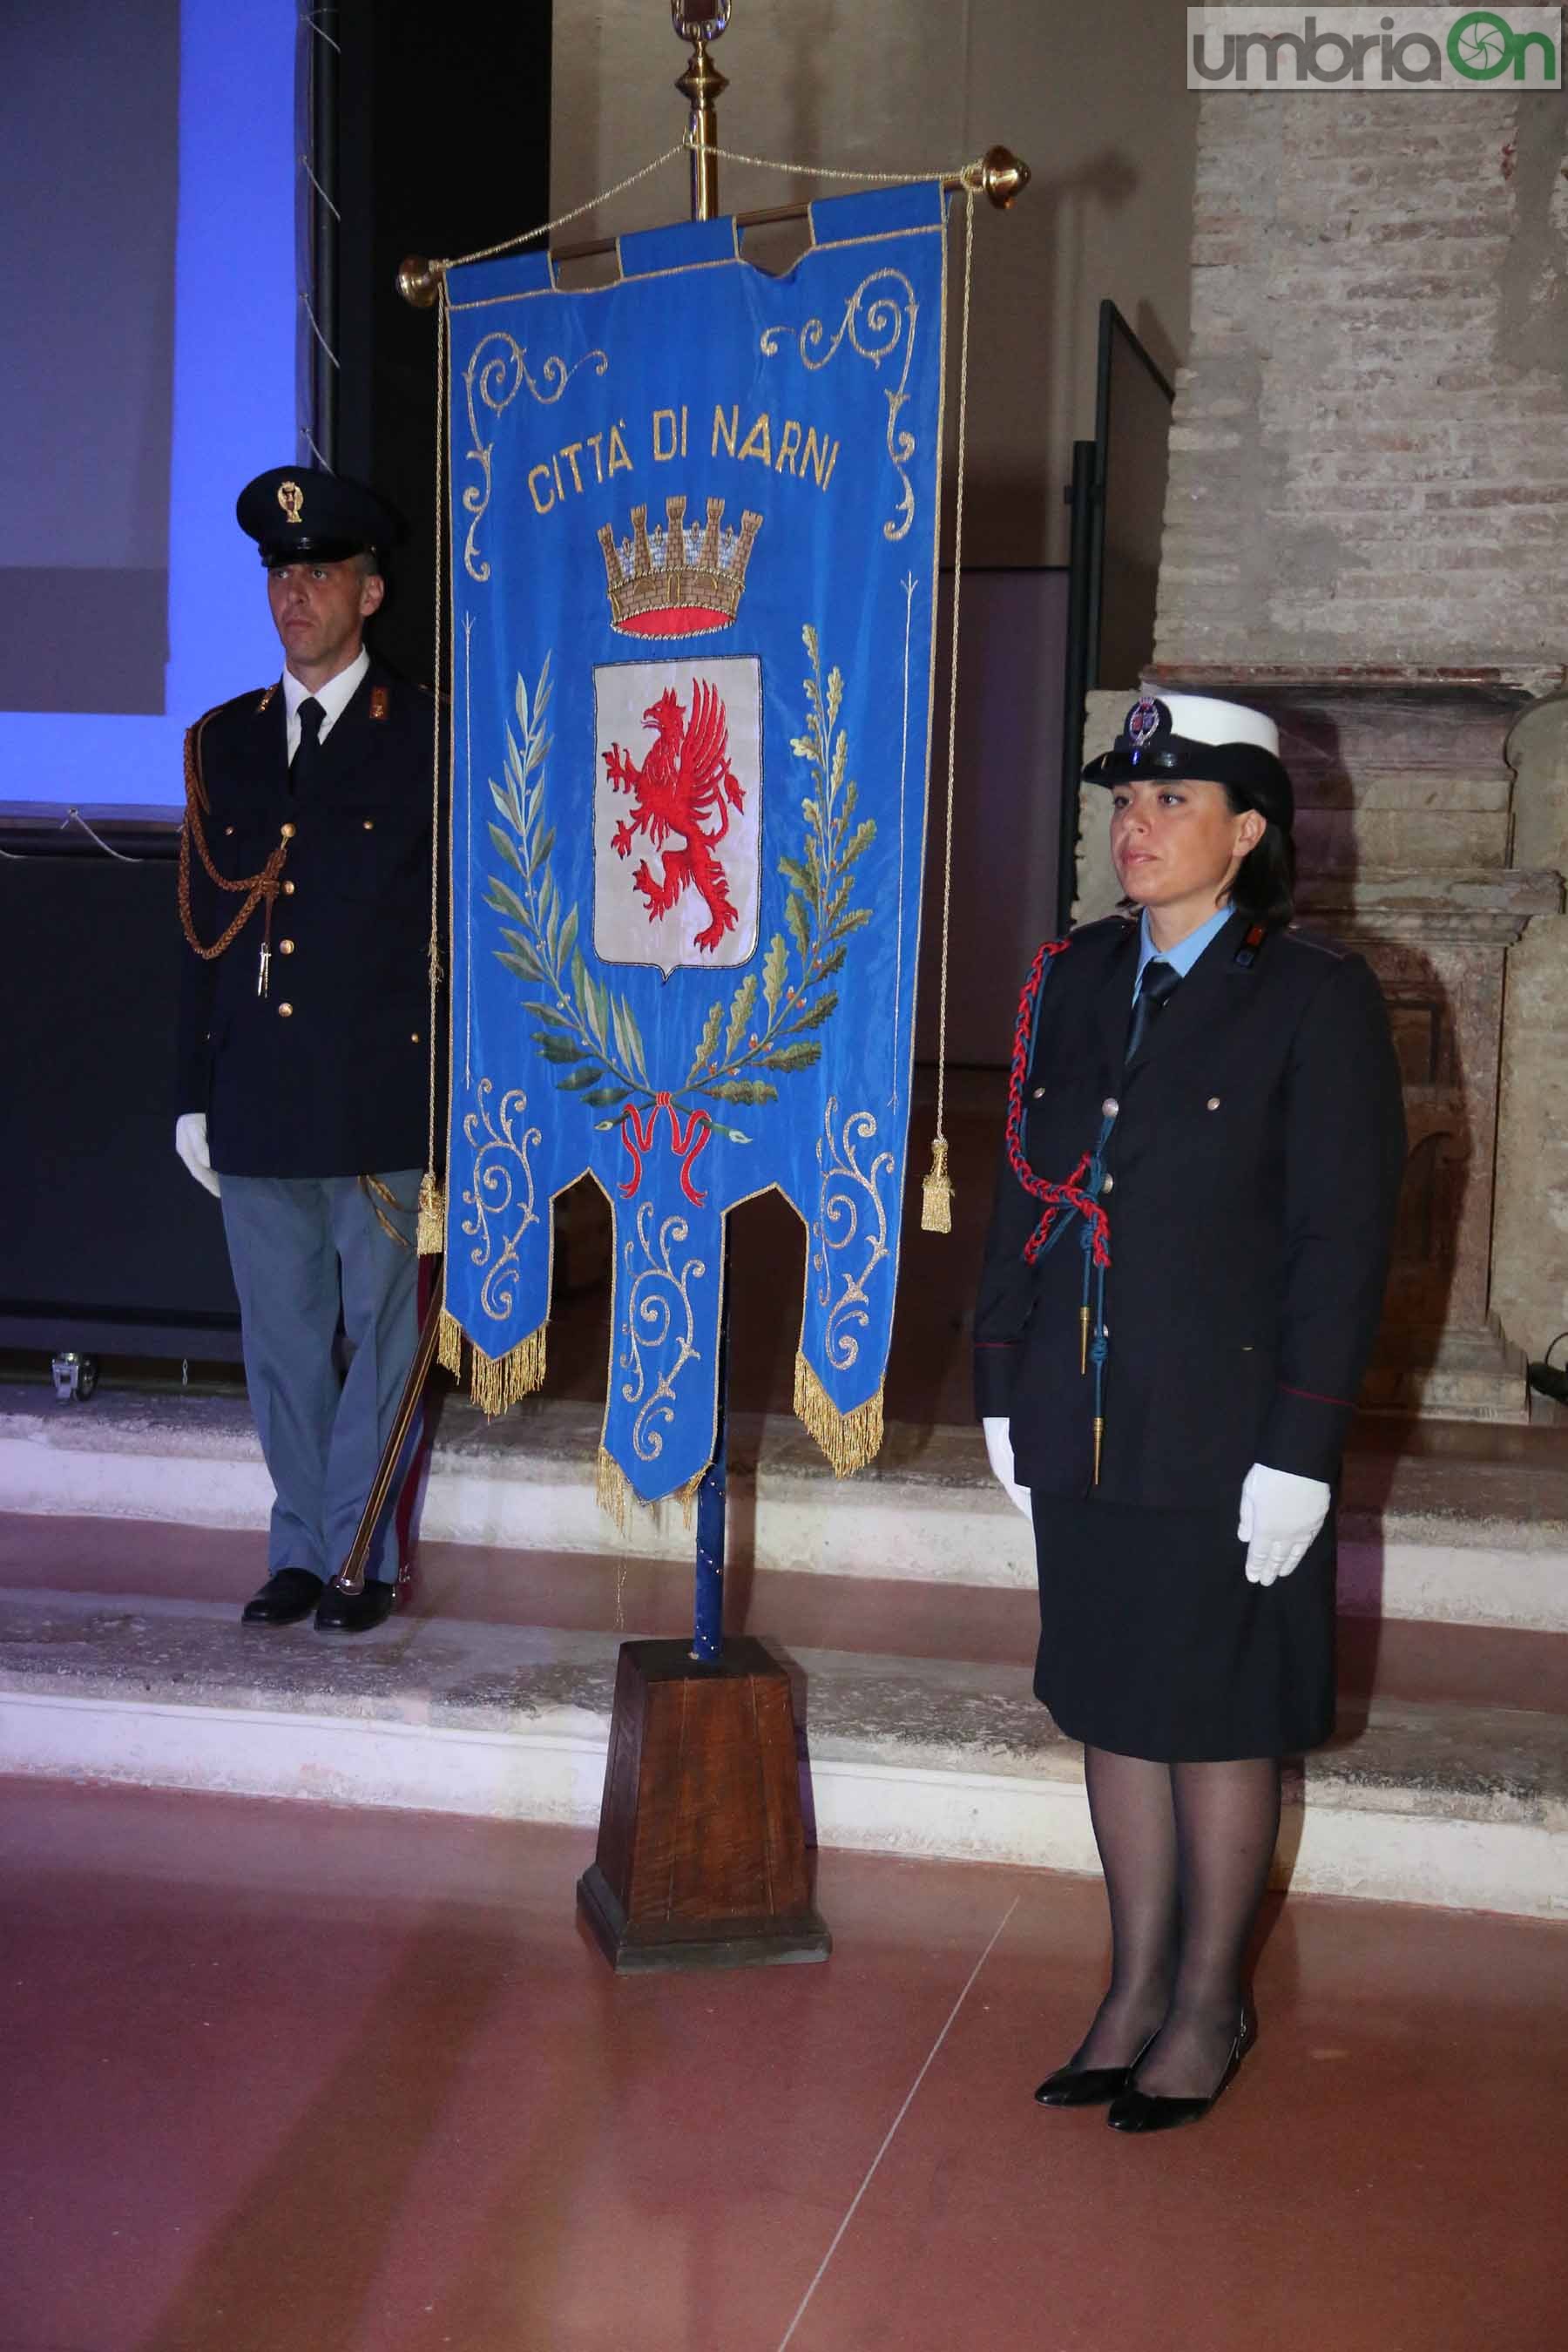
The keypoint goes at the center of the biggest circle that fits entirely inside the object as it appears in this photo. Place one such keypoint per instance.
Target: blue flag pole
(700, 85)
(712, 1497)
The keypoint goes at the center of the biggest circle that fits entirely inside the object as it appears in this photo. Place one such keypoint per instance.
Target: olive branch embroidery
(588, 1032)
(817, 917)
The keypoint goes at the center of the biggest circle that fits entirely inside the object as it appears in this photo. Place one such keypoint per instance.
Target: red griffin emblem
(684, 786)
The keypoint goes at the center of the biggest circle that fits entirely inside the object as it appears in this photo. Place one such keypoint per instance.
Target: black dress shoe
(355, 1612)
(1087, 2087)
(1146, 2110)
(284, 1598)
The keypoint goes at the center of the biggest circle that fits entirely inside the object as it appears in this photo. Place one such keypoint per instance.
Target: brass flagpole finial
(419, 281)
(1004, 177)
(701, 86)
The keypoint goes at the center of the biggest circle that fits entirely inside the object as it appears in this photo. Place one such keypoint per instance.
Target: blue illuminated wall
(133, 418)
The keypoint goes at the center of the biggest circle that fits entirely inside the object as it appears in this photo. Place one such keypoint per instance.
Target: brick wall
(1368, 458)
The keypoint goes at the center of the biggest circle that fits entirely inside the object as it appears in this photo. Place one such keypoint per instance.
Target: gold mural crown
(679, 579)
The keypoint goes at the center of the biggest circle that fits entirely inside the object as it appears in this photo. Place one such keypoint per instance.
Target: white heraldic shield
(677, 812)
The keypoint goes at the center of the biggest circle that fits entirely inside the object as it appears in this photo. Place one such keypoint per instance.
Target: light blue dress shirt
(1183, 957)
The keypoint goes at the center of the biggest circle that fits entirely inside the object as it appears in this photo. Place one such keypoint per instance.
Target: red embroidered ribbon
(1055, 1196)
(687, 1143)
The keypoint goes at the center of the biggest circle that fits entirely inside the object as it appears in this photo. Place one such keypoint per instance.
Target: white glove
(191, 1143)
(999, 1454)
(1280, 1515)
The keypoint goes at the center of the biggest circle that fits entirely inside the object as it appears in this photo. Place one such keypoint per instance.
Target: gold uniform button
(1108, 1109)
(413, 1036)
(288, 889)
(285, 947)
(1213, 1102)
(285, 1012)
(370, 824)
(228, 829)
(287, 832)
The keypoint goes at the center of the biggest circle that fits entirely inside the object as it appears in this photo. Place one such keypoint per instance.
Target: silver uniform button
(1213, 1102)
(1038, 1094)
(1108, 1183)
(1110, 1106)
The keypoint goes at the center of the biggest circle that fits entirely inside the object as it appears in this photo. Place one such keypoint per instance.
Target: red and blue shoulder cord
(1078, 1194)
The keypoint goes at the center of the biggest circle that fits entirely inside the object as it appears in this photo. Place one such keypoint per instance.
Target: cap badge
(1143, 722)
(291, 499)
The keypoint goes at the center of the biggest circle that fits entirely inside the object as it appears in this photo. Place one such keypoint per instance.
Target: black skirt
(1153, 1643)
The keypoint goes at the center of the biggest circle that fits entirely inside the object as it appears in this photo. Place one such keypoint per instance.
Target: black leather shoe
(355, 1612)
(1087, 2087)
(284, 1598)
(1145, 2111)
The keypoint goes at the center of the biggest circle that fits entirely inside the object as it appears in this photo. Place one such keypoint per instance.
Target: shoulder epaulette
(1118, 922)
(254, 701)
(1330, 948)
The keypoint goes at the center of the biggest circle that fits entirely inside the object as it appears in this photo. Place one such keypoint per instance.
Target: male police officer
(304, 1017)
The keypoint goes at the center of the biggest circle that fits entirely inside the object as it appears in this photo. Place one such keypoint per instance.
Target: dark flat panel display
(101, 1220)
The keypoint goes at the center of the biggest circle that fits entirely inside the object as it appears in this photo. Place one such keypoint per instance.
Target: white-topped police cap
(1200, 739)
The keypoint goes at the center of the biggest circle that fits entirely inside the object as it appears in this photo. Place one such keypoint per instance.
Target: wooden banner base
(702, 1855)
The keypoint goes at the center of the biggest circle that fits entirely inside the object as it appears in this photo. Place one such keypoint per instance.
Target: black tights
(1185, 1849)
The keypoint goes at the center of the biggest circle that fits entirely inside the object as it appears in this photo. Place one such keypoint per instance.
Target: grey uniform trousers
(299, 1247)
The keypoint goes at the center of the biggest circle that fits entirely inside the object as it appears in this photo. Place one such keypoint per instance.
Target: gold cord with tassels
(430, 1239)
(936, 1193)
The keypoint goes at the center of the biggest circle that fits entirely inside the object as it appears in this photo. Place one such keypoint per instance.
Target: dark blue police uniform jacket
(328, 1072)
(1252, 1175)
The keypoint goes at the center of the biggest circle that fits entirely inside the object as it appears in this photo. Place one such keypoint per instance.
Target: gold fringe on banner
(849, 1440)
(450, 1346)
(614, 1492)
(687, 1497)
(431, 1238)
(936, 1193)
(495, 1382)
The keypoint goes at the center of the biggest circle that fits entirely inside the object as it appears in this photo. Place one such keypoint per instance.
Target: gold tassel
(450, 1346)
(431, 1238)
(687, 1497)
(495, 1382)
(849, 1440)
(612, 1492)
(936, 1195)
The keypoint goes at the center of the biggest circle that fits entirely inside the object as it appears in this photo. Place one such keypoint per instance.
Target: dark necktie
(303, 765)
(1159, 984)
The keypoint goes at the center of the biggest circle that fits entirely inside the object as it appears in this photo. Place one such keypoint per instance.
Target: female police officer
(1181, 1287)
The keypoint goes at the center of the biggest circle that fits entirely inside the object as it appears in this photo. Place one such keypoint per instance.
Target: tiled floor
(285, 2076)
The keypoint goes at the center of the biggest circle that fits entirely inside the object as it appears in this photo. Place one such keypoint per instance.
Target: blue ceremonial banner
(694, 551)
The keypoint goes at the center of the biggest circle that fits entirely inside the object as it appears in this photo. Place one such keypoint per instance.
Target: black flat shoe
(284, 1598)
(355, 1612)
(1146, 2110)
(1087, 2087)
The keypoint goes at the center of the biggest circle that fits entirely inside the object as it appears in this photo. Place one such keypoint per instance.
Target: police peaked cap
(296, 514)
(1171, 737)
